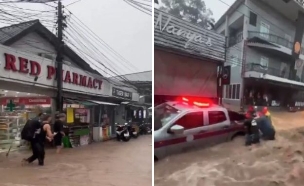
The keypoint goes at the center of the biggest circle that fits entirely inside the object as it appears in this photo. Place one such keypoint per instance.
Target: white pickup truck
(182, 126)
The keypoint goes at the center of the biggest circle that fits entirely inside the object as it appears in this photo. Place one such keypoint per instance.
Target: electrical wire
(100, 41)
(92, 46)
(140, 8)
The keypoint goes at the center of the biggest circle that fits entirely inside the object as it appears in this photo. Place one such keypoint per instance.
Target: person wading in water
(42, 131)
(58, 131)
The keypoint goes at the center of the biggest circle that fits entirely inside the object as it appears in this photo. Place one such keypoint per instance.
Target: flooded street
(109, 163)
(273, 163)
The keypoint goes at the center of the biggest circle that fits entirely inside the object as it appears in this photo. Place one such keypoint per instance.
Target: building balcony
(256, 70)
(271, 38)
(256, 67)
(271, 42)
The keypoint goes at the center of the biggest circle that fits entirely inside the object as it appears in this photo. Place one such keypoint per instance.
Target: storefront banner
(25, 68)
(174, 33)
(81, 112)
(121, 93)
(299, 103)
(70, 115)
(26, 101)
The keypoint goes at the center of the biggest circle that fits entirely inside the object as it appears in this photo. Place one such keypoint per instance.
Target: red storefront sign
(33, 68)
(27, 101)
(81, 111)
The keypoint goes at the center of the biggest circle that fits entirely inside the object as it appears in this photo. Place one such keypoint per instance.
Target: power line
(86, 37)
(101, 41)
(137, 7)
(77, 31)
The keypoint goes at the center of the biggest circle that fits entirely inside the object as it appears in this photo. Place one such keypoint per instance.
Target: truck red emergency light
(196, 103)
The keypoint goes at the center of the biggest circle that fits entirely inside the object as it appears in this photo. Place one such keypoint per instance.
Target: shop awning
(102, 103)
(79, 102)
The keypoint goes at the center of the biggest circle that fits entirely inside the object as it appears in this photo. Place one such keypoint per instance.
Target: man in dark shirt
(252, 129)
(42, 132)
(58, 131)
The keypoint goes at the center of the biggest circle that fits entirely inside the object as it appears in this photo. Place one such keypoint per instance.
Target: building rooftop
(12, 33)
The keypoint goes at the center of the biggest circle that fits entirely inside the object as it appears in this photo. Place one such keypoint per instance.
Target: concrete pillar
(53, 108)
(246, 20)
(227, 30)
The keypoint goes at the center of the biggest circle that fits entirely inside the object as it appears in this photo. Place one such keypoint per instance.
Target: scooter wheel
(125, 139)
(117, 137)
(135, 136)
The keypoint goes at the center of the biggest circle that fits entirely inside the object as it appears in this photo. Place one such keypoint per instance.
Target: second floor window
(235, 61)
(253, 19)
(264, 63)
(264, 30)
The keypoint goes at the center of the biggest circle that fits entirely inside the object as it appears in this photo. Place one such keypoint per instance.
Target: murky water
(110, 163)
(272, 163)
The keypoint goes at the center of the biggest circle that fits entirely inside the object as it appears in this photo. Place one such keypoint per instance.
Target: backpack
(29, 129)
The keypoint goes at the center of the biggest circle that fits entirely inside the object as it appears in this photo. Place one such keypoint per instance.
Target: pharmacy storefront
(28, 86)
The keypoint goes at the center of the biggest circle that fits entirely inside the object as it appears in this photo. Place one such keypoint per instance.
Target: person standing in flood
(58, 131)
(42, 132)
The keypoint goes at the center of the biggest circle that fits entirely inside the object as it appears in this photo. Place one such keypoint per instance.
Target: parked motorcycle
(122, 132)
(132, 130)
(144, 129)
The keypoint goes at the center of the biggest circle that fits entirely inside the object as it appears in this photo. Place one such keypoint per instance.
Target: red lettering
(75, 78)
(83, 80)
(35, 68)
(99, 84)
(50, 72)
(10, 62)
(67, 77)
(90, 83)
(94, 83)
(23, 65)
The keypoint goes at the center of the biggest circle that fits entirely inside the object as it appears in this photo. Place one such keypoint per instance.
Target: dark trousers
(38, 153)
(252, 139)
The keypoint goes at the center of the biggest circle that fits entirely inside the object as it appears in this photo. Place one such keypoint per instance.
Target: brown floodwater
(272, 163)
(109, 163)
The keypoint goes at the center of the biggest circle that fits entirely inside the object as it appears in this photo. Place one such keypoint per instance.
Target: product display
(78, 135)
(11, 125)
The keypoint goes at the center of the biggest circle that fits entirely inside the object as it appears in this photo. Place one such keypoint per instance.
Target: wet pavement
(109, 163)
(272, 163)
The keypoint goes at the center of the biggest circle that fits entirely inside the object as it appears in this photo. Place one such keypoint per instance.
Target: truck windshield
(162, 114)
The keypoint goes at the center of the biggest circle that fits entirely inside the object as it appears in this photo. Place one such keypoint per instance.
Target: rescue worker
(252, 130)
(265, 125)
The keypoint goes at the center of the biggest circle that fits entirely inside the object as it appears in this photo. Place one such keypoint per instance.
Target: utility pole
(59, 58)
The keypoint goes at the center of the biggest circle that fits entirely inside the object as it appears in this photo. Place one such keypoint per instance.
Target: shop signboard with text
(26, 100)
(28, 69)
(121, 93)
(173, 33)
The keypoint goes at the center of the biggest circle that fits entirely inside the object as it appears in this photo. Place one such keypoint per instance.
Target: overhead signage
(226, 75)
(121, 93)
(299, 103)
(175, 33)
(33, 71)
(26, 101)
(22, 65)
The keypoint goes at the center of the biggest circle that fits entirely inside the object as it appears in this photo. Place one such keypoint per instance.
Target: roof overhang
(231, 9)
(262, 76)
